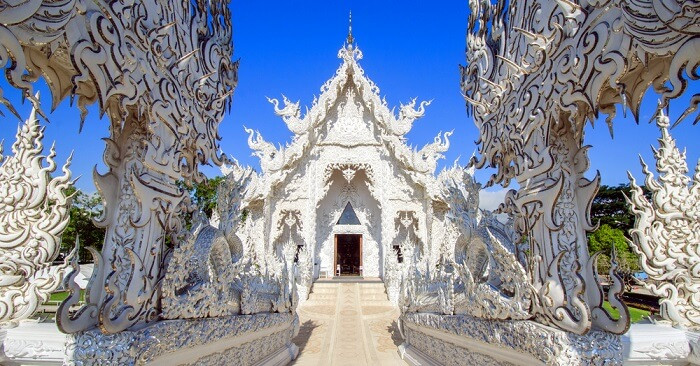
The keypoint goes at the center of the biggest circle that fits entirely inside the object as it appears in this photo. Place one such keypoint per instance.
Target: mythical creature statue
(409, 247)
(492, 282)
(212, 273)
(407, 115)
(271, 159)
(291, 115)
(162, 72)
(292, 253)
(304, 273)
(199, 279)
(537, 72)
(482, 276)
(34, 211)
(427, 290)
(666, 234)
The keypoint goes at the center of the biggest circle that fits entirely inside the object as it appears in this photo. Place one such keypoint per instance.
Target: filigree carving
(481, 274)
(521, 342)
(359, 102)
(34, 211)
(199, 281)
(255, 334)
(537, 73)
(211, 272)
(348, 170)
(501, 290)
(349, 146)
(666, 234)
(162, 72)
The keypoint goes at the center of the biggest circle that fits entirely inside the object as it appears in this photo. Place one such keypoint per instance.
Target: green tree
(610, 208)
(84, 209)
(603, 240)
(204, 194)
(605, 237)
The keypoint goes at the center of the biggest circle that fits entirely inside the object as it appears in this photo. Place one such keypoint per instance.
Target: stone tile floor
(348, 322)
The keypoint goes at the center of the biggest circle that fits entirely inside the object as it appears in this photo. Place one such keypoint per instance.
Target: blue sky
(411, 49)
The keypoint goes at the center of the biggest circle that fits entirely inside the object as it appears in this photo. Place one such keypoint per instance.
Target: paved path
(348, 323)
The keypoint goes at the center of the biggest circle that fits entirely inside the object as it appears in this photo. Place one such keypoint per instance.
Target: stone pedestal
(433, 339)
(694, 342)
(260, 339)
(656, 344)
(3, 336)
(34, 343)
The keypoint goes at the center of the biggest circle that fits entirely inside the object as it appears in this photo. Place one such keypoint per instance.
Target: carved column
(554, 203)
(140, 198)
(538, 72)
(162, 72)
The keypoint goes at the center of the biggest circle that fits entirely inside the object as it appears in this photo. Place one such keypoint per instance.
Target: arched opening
(348, 223)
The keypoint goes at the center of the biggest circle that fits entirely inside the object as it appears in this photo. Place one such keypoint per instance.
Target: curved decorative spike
(666, 234)
(33, 214)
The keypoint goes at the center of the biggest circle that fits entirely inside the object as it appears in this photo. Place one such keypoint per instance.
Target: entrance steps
(371, 291)
(348, 321)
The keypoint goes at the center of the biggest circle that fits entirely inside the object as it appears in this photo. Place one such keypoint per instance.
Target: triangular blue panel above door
(348, 217)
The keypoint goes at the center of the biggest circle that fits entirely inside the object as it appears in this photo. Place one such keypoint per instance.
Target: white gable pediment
(349, 113)
(349, 124)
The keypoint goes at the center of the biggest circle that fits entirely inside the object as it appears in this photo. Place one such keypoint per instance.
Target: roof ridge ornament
(350, 40)
(349, 52)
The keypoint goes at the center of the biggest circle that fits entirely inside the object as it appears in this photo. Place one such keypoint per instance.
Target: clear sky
(411, 49)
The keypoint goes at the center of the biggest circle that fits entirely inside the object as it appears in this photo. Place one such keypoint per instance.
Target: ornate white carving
(450, 340)
(358, 104)
(162, 72)
(348, 147)
(478, 271)
(537, 73)
(212, 274)
(34, 342)
(34, 211)
(500, 290)
(666, 234)
(188, 341)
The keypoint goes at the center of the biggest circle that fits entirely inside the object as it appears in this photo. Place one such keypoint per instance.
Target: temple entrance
(348, 254)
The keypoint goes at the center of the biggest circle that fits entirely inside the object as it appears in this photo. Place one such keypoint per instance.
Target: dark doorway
(348, 254)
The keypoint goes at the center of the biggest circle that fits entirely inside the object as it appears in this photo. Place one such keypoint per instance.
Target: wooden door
(335, 256)
(361, 254)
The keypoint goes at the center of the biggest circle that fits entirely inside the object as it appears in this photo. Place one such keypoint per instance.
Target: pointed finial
(350, 39)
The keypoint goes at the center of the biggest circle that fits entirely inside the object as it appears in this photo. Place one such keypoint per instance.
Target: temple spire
(350, 39)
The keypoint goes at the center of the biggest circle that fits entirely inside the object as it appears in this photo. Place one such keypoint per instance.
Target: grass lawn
(635, 314)
(62, 295)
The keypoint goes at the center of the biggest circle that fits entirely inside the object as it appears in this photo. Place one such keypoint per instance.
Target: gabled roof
(276, 163)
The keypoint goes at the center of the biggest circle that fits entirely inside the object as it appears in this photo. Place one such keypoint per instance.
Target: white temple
(347, 187)
(347, 196)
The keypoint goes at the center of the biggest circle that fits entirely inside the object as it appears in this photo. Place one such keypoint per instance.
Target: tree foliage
(609, 207)
(204, 194)
(610, 210)
(84, 209)
(603, 240)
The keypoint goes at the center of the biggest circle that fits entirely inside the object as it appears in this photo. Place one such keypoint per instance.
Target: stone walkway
(348, 322)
